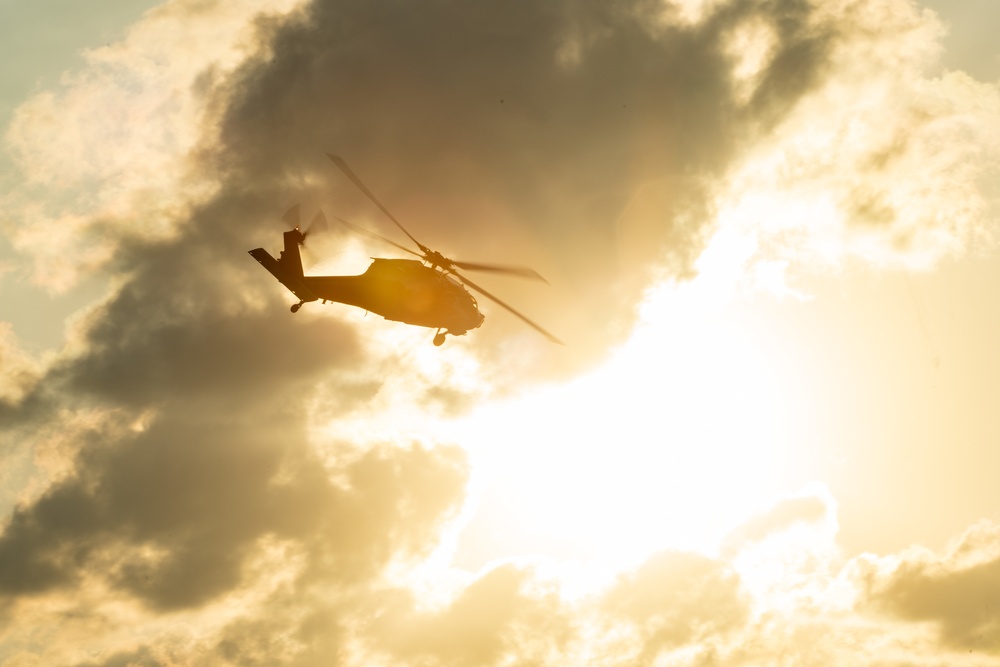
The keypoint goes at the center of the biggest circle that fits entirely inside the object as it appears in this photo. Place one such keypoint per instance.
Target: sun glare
(681, 435)
(671, 443)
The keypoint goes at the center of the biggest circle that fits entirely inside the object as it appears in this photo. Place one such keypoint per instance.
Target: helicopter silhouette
(427, 292)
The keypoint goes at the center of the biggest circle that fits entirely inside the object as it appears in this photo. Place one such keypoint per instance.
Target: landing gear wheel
(439, 339)
(295, 308)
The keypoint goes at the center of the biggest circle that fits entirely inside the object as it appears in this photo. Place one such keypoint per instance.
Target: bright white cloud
(885, 162)
(109, 153)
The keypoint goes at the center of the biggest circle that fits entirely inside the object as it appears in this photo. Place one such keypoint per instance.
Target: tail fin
(277, 269)
(288, 267)
(291, 260)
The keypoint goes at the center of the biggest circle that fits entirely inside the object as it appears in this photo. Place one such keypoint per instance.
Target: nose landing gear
(439, 338)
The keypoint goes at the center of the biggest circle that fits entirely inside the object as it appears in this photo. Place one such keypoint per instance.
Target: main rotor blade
(522, 271)
(362, 230)
(339, 161)
(523, 317)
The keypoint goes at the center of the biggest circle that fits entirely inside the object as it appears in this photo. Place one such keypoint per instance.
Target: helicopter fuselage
(402, 290)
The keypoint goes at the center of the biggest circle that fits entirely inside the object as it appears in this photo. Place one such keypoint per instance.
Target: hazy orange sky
(769, 229)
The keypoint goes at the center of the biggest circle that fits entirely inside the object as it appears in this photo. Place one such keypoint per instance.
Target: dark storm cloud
(185, 326)
(503, 121)
(183, 337)
(200, 495)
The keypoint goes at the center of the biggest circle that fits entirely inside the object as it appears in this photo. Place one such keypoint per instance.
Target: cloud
(142, 658)
(957, 592)
(495, 616)
(171, 516)
(108, 154)
(181, 328)
(581, 138)
(884, 162)
(232, 499)
(779, 518)
(19, 372)
(674, 608)
(179, 519)
(677, 598)
(605, 143)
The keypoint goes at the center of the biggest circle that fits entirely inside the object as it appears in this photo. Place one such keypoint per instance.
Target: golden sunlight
(677, 438)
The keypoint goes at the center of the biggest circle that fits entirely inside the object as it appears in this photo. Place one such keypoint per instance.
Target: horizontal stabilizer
(292, 282)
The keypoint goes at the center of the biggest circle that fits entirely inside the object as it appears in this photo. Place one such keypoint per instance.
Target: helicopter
(427, 292)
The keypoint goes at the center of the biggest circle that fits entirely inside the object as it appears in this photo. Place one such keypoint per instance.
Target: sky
(769, 230)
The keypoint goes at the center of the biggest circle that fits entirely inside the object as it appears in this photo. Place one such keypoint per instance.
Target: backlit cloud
(18, 371)
(956, 592)
(108, 154)
(202, 478)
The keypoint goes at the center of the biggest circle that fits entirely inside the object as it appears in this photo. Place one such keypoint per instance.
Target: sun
(671, 443)
(682, 434)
